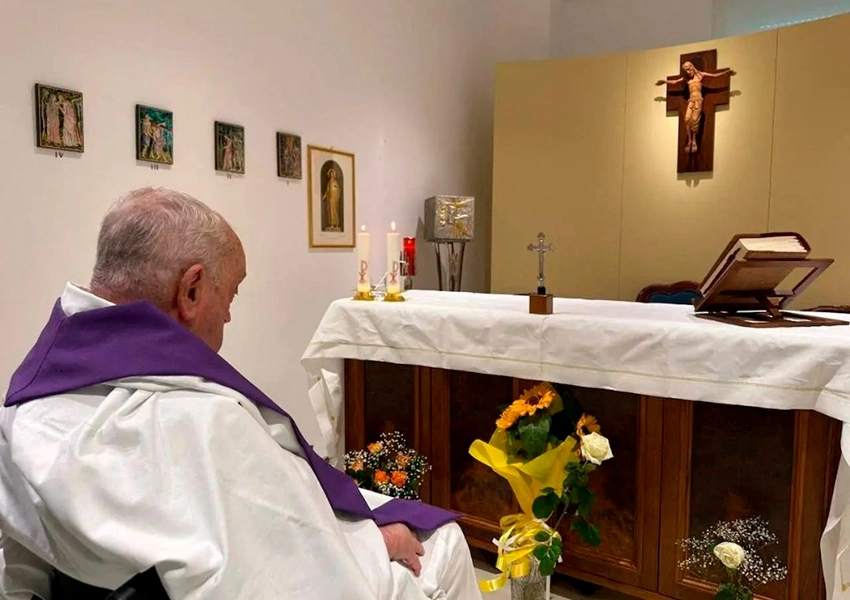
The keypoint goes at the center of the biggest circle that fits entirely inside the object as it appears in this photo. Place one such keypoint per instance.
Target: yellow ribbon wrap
(527, 479)
(515, 547)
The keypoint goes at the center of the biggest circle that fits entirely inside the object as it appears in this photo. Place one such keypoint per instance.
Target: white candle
(393, 266)
(364, 281)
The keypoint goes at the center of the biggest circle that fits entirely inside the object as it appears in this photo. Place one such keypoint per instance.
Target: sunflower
(587, 424)
(540, 397)
(508, 418)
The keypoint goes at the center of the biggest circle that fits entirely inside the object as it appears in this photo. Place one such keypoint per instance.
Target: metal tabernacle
(450, 225)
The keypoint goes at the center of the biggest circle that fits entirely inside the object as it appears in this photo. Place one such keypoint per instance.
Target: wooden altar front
(678, 467)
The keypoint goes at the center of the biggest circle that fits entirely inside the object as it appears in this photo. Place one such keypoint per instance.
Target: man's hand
(403, 546)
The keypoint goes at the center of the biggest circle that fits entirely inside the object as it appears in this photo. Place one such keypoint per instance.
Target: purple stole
(137, 340)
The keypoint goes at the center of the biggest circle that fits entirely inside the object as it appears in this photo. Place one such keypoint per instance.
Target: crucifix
(695, 94)
(541, 248)
(541, 302)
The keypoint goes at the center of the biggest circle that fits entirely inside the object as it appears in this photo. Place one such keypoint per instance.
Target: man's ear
(189, 290)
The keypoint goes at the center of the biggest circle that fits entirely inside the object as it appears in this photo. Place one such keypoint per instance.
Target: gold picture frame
(330, 197)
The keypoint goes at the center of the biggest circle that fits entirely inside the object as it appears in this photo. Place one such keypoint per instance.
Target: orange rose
(399, 478)
(375, 447)
(381, 476)
(357, 465)
(402, 460)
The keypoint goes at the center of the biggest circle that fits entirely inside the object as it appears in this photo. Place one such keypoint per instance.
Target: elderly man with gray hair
(130, 451)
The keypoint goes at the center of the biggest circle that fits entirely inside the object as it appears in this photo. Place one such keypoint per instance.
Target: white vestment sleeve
(22, 573)
(193, 484)
(835, 542)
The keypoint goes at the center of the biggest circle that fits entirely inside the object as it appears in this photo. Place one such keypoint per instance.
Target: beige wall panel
(558, 167)
(811, 155)
(674, 226)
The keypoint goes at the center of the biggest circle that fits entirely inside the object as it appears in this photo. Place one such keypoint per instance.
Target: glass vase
(533, 586)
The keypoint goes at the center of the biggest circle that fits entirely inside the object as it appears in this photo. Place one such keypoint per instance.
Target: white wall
(736, 17)
(405, 85)
(591, 27)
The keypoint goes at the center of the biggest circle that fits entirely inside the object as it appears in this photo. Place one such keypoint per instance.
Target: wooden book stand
(746, 295)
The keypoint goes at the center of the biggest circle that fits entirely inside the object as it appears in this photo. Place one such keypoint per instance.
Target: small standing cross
(541, 248)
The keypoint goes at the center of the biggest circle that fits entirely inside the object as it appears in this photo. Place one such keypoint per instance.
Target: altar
(707, 421)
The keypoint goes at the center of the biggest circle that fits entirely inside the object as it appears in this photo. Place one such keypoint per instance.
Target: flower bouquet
(730, 553)
(388, 466)
(546, 453)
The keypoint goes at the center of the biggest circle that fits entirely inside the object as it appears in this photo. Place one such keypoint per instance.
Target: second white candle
(393, 256)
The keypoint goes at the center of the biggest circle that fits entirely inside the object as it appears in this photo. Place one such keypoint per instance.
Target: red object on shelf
(410, 255)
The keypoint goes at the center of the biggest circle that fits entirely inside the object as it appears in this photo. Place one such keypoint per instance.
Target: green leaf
(557, 547)
(541, 536)
(547, 566)
(540, 552)
(579, 526)
(544, 506)
(534, 433)
(578, 495)
(592, 538)
(589, 534)
(586, 504)
(725, 593)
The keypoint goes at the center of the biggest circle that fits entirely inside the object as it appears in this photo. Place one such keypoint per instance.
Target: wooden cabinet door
(627, 487)
(730, 462)
(384, 397)
(464, 407)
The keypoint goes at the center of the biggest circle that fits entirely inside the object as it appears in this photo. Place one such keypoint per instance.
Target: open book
(756, 277)
(747, 246)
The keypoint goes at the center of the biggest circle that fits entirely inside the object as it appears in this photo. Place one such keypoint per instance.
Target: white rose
(596, 448)
(730, 554)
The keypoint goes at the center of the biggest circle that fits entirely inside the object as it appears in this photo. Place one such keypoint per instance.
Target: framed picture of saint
(59, 118)
(330, 195)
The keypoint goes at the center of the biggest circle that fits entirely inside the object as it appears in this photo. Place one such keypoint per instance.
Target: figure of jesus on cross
(707, 88)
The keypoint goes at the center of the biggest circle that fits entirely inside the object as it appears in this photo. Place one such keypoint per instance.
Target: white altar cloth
(652, 349)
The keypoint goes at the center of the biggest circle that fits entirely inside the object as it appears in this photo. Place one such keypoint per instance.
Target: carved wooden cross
(696, 149)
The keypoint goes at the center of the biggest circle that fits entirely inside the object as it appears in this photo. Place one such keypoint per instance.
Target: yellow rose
(595, 448)
(730, 554)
